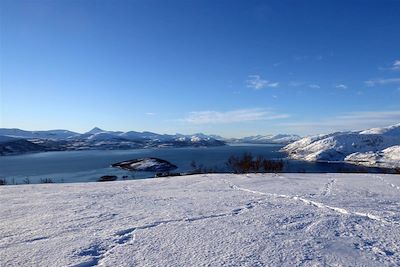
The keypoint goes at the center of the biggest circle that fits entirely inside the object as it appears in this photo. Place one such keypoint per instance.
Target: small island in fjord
(146, 164)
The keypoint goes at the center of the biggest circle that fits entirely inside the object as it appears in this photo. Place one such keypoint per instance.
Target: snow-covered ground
(373, 147)
(205, 220)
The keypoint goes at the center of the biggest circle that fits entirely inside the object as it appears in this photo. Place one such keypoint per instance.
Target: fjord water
(90, 165)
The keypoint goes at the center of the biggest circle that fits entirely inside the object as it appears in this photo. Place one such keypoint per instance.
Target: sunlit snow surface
(205, 220)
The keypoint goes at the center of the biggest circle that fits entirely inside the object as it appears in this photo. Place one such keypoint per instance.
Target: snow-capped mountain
(355, 147)
(97, 134)
(95, 130)
(267, 139)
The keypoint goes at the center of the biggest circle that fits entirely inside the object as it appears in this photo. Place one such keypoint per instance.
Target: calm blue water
(84, 166)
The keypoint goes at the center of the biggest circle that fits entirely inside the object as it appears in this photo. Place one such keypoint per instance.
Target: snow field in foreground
(205, 220)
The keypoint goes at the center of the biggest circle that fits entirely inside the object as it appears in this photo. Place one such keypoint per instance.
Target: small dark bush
(273, 166)
(247, 163)
(3, 181)
(199, 169)
(46, 181)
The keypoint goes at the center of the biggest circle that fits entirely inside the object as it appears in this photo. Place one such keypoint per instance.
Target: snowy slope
(387, 158)
(393, 130)
(337, 146)
(205, 220)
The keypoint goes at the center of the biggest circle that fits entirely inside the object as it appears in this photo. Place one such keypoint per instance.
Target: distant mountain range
(16, 141)
(379, 147)
(266, 139)
(52, 134)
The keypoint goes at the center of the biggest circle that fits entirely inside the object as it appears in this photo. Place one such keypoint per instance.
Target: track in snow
(127, 236)
(312, 202)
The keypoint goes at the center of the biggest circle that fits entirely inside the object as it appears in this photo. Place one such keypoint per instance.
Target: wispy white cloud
(382, 81)
(341, 86)
(256, 82)
(346, 122)
(240, 115)
(396, 65)
(150, 113)
(274, 84)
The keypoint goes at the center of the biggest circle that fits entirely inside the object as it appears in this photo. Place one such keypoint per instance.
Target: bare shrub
(46, 181)
(247, 163)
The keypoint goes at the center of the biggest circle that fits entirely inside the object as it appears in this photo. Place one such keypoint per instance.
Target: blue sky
(233, 68)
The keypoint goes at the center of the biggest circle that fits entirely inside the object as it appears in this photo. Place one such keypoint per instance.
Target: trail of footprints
(127, 236)
(327, 189)
(314, 203)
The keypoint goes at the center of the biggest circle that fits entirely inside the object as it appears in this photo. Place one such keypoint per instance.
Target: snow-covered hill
(387, 158)
(205, 220)
(4, 138)
(13, 146)
(342, 146)
(266, 139)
